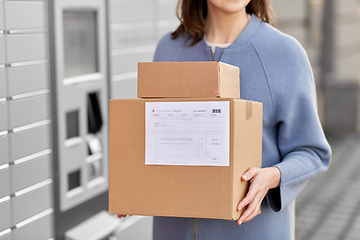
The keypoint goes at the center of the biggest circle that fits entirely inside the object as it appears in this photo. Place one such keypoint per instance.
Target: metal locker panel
(27, 79)
(25, 174)
(132, 1)
(5, 182)
(39, 229)
(3, 118)
(4, 150)
(2, 24)
(167, 2)
(130, 13)
(2, 49)
(75, 156)
(24, 15)
(128, 63)
(25, 47)
(29, 141)
(5, 213)
(31, 203)
(7, 236)
(131, 38)
(3, 84)
(28, 110)
(167, 12)
(124, 89)
(132, 232)
(101, 225)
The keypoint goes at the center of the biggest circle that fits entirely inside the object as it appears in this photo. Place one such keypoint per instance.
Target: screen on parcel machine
(187, 133)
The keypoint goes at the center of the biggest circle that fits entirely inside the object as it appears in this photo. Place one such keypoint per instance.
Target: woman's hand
(261, 180)
(121, 216)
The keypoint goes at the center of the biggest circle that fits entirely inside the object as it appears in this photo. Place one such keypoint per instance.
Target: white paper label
(187, 133)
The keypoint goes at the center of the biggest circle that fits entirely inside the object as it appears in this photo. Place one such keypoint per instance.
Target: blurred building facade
(60, 63)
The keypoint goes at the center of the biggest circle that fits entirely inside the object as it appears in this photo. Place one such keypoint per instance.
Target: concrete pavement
(329, 207)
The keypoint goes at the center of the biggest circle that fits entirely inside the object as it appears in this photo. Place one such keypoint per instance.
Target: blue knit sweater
(274, 70)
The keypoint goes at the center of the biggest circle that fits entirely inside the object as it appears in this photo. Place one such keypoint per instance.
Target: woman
(274, 70)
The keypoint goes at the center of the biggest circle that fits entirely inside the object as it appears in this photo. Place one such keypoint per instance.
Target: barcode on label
(216, 111)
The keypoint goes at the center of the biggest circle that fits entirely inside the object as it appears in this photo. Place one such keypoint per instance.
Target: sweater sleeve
(301, 142)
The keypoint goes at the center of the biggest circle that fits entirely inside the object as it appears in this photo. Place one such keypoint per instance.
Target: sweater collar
(244, 36)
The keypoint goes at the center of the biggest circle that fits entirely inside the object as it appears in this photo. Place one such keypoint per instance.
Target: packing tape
(248, 110)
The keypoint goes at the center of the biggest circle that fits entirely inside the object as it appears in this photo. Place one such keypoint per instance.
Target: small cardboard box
(176, 190)
(188, 79)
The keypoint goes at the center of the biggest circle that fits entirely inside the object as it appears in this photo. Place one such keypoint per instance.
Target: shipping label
(187, 133)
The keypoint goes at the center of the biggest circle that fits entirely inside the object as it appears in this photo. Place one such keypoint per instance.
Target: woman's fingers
(261, 180)
(249, 174)
(251, 215)
(251, 210)
(248, 198)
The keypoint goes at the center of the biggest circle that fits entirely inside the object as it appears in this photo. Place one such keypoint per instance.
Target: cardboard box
(174, 190)
(188, 79)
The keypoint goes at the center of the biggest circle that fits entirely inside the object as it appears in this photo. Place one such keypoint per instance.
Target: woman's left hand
(261, 180)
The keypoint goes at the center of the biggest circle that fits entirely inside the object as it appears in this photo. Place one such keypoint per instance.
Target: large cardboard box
(136, 188)
(188, 79)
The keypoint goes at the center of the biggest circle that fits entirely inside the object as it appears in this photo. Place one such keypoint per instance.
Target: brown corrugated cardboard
(182, 191)
(188, 79)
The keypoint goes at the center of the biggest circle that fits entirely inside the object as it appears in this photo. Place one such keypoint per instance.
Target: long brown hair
(192, 14)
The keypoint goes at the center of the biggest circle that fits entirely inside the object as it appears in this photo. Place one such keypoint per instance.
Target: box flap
(229, 81)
